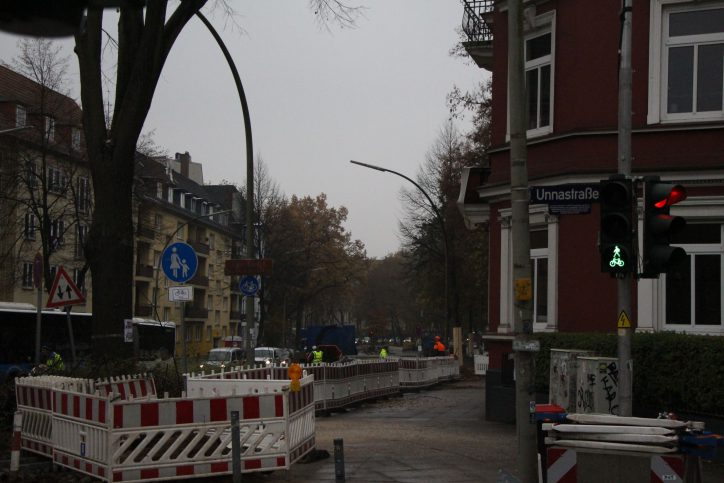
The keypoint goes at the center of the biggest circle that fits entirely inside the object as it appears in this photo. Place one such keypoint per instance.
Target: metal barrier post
(339, 460)
(235, 447)
(15, 446)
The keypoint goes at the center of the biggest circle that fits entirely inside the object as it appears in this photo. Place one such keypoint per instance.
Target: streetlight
(155, 290)
(249, 208)
(442, 227)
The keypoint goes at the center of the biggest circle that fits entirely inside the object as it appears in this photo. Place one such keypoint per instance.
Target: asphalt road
(436, 435)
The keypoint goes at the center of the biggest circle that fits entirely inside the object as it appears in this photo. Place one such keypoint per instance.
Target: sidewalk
(436, 435)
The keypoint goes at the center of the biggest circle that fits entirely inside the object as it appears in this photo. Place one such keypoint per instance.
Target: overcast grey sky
(317, 99)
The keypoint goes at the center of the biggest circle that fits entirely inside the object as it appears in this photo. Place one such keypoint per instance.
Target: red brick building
(571, 71)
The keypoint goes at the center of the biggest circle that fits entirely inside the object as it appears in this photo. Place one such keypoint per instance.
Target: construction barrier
(481, 362)
(420, 372)
(119, 430)
(631, 449)
(340, 384)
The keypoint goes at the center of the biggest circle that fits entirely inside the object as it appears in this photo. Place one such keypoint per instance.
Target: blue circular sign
(179, 262)
(249, 285)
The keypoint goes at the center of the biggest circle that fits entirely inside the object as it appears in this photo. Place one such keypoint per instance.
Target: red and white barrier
(15, 444)
(123, 432)
(561, 465)
(667, 468)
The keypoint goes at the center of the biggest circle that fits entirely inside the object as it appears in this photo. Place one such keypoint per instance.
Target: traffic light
(616, 244)
(659, 225)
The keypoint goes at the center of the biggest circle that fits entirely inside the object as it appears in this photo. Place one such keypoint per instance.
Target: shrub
(672, 372)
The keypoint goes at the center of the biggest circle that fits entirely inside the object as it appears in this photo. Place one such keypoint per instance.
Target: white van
(224, 357)
(271, 356)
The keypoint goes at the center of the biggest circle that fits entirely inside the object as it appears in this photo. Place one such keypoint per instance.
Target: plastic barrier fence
(422, 372)
(130, 438)
(35, 398)
(338, 385)
(481, 364)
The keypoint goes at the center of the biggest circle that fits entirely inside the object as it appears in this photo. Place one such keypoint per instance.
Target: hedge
(672, 372)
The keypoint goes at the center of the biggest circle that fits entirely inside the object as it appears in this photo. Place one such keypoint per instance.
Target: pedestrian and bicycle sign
(249, 286)
(64, 291)
(179, 262)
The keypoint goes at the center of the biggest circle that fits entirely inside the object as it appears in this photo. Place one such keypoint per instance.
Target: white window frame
(81, 234)
(651, 293)
(49, 128)
(28, 272)
(30, 226)
(83, 194)
(21, 116)
(75, 138)
(541, 24)
(57, 180)
(57, 232)
(658, 64)
(539, 217)
(693, 326)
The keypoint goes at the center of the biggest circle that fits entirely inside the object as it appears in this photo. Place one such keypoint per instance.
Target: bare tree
(146, 35)
(46, 182)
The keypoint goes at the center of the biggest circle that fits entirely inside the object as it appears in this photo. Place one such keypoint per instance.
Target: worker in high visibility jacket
(439, 348)
(317, 355)
(53, 361)
(383, 353)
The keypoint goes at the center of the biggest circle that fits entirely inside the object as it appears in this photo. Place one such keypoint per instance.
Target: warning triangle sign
(623, 321)
(64, 291)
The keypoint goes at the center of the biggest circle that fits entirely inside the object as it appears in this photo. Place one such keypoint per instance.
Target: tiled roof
(18, 89)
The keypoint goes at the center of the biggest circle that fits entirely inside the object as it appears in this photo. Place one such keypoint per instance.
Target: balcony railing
(144, 271)
(199, 247)
(199, 280)
(143, 310)
(192, 312)
(474, 26)
(146, 231)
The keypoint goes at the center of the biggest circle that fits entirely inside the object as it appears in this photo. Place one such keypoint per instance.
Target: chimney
(184, 160)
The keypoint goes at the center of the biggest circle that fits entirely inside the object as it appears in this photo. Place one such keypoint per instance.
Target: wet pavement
(439, 434)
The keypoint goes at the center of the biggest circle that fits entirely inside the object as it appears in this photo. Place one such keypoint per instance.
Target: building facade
(571, 72)
(46, 206)
(45, 188)
(175, 206)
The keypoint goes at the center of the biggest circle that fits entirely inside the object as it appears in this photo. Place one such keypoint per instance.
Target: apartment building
(571, 56)
(46, 207)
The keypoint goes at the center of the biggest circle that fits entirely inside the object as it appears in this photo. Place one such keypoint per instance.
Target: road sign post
(249, 286)
(249, 266)
(64, 291)
(179, 262)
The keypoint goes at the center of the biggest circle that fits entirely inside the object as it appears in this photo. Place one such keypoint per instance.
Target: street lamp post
(439, 218)
(249, 208)
(157, 269)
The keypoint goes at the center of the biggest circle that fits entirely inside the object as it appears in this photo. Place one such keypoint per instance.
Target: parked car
(224, 357)
(271, 356)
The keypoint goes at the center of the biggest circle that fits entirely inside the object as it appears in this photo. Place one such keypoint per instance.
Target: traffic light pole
(523, 311)
(625, 334)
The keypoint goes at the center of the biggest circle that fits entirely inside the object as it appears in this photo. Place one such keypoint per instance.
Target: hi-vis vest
(318, 355)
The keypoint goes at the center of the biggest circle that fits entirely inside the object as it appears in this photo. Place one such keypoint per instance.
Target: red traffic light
(666, 195)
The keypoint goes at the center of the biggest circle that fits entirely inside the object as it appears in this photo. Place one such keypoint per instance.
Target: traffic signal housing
(658, 255)
(616, 242)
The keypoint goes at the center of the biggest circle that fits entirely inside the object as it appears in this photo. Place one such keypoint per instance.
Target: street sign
(179, 262)
(249, 286)
(64, 291)
(248, 266)
(526, 346)
(181, 294)
(566, 199)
